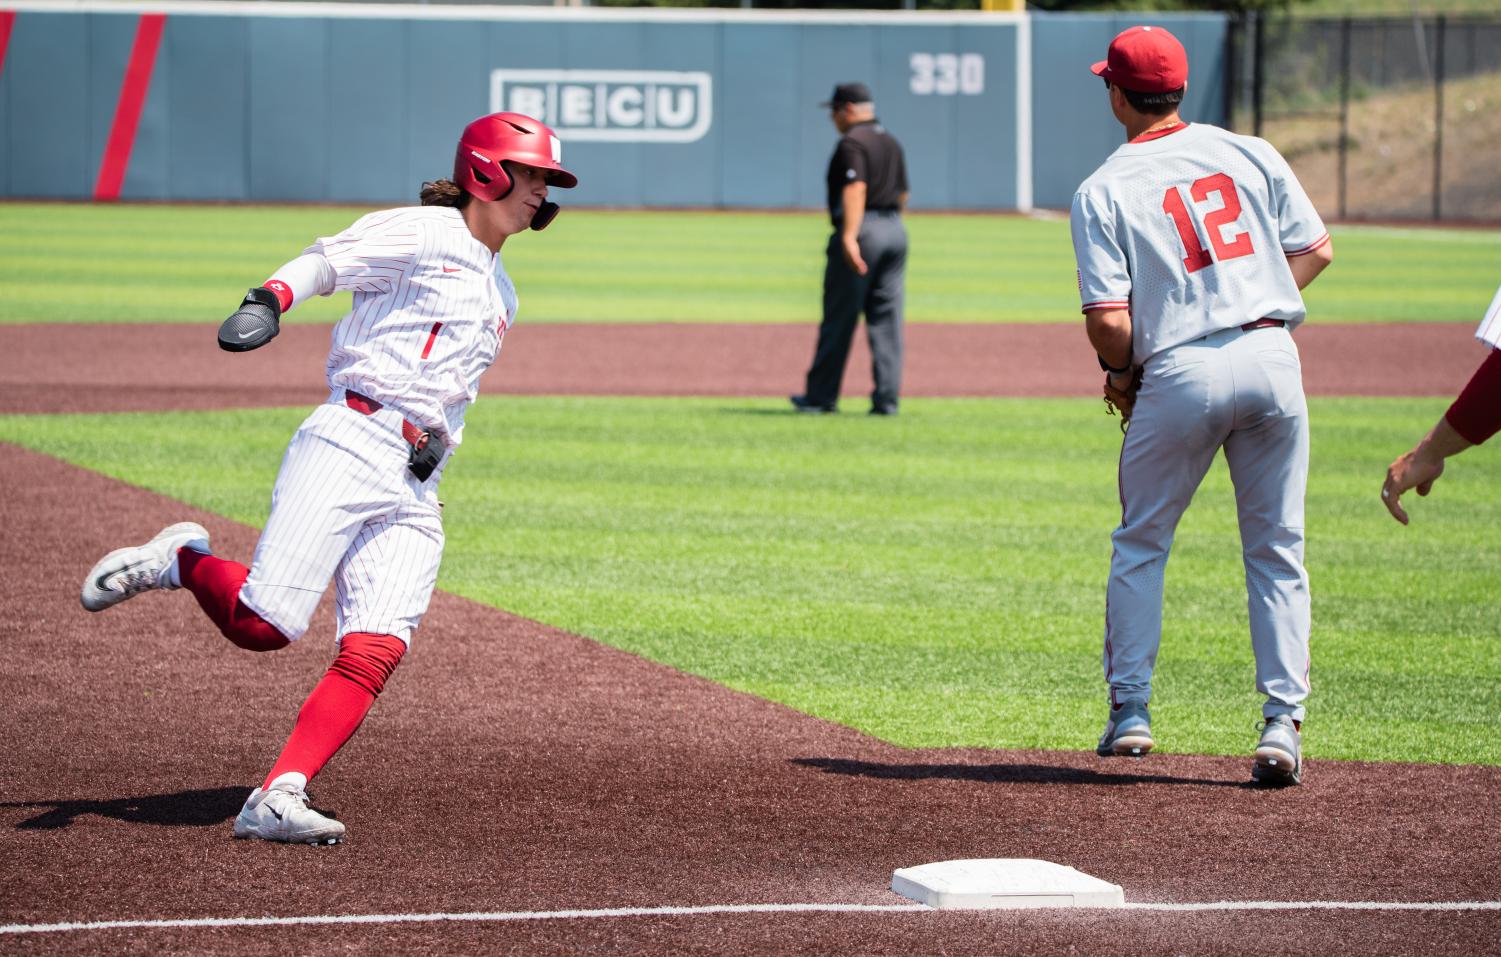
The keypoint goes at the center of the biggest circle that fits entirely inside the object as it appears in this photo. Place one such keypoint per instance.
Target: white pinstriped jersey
(1489, 331)
(1190, 231)
(431, 306)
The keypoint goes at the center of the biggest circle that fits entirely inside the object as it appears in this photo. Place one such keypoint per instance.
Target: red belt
(365, 405)
(1264, 324)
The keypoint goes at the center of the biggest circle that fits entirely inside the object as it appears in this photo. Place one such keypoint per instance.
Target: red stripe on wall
(7, 20)
(122, 134)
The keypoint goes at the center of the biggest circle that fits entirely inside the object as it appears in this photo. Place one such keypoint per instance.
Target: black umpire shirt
(868, 154)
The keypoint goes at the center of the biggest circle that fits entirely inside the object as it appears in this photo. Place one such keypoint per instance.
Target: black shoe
(883, 410)
(801, 404)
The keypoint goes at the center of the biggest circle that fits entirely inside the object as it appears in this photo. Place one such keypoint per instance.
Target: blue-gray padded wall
(110, 41)
(204, 74)
(960, 146)
(829, 55)
(517, 46)
(447, 89)
(368, 82)
(685, 174)
(364, 110)
(616, 173)
(288, 111)
(760, 109)
(1204, 38)
(1073, 129)
(49, 128)
(609, 173)
(924, 125)
(985, 126)
(146, 175)
(7, 135)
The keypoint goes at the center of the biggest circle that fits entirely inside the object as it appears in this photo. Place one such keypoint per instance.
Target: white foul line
(482, 916)
(497, 916)
(1323, 905)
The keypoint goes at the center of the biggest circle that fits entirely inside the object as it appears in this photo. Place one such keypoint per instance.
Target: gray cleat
(281, 813)
(1127, 732)
(126, 572)
(1279, 753)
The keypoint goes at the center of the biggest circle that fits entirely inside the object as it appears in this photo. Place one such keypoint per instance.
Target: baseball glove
(1122, 401)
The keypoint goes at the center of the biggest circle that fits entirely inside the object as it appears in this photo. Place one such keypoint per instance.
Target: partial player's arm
(1307, 266)
(1420, 466)
(1105, 293)
(1305, 239)
(1109, 332)
(258, 319)
(1474, 417)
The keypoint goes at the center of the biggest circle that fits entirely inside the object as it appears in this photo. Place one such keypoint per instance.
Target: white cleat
(281, 813)
(126, 572)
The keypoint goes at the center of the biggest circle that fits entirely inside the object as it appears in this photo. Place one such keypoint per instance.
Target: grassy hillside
(1389, 162)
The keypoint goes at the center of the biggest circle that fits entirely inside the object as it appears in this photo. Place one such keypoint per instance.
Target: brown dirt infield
(512, 767)
(90, 368)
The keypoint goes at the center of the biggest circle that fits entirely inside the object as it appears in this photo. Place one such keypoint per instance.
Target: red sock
(216, 582)
(339, 703)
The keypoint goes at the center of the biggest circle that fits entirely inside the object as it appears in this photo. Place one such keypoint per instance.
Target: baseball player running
(357, 496)
(1192, 245)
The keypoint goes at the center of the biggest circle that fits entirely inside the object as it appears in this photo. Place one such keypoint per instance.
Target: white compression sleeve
(307, 275)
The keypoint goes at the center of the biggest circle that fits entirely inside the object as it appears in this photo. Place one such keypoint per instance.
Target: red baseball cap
(1145, 60)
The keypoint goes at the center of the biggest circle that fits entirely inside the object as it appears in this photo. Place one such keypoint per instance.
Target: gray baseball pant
(1241, 391)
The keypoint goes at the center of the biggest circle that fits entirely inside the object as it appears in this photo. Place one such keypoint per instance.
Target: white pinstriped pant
(345, 507)
(1241, 391)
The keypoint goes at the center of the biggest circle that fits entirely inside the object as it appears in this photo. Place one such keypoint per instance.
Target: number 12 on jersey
(1215, 222)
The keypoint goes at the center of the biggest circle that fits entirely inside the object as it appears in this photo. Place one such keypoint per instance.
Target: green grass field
(936, 580)
(138, 263)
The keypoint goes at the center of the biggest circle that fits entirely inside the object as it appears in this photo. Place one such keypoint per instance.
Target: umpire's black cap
(848, 93)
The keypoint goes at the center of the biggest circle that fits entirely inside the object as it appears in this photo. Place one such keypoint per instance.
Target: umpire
(867, 255)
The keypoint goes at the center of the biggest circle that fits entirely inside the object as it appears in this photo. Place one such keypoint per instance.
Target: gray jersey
(1190, 231)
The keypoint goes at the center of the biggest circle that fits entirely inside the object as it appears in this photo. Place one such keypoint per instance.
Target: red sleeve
(1476, 414)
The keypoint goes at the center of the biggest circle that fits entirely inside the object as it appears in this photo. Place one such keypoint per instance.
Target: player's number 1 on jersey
(1214, 222)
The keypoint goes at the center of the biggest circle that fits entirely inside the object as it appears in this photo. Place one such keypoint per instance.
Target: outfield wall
(360, 103)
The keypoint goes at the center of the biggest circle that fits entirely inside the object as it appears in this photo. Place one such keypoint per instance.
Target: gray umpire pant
(879, 294)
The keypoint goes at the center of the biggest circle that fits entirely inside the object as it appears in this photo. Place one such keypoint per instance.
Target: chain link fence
(1381, 118)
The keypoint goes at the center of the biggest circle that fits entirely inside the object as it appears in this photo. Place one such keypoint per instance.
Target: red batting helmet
(490, 140)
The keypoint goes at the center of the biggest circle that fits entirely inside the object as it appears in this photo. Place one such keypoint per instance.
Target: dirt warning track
(93, 368)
